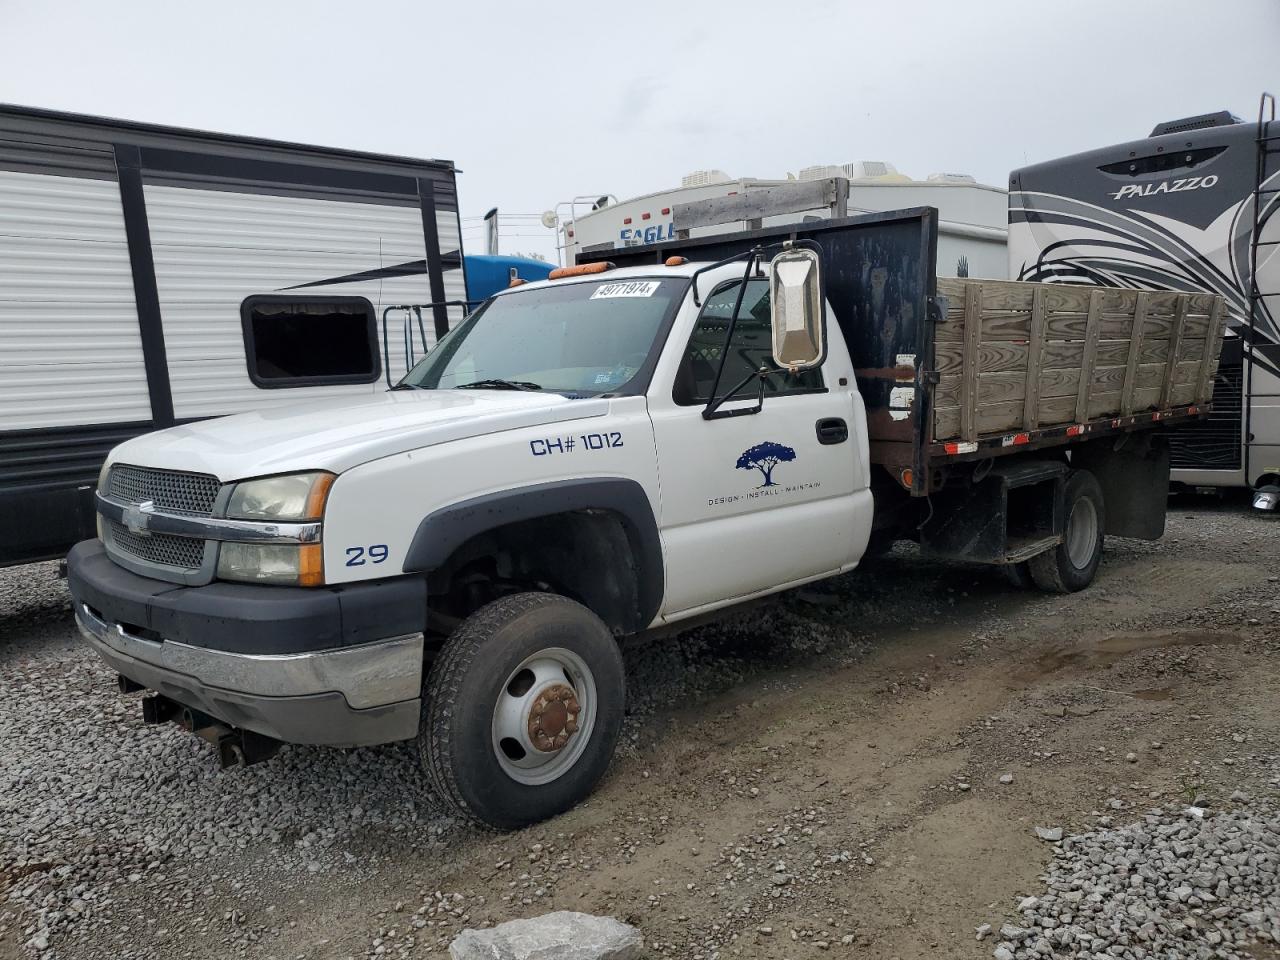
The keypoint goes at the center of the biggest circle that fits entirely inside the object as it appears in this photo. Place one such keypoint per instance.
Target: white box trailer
(972, 225)
(152, 276)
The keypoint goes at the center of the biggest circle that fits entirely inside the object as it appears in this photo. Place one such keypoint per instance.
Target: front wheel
(522, 710)
(1071, 565)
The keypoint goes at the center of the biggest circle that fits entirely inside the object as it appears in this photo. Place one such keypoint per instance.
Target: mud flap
(1133, 471)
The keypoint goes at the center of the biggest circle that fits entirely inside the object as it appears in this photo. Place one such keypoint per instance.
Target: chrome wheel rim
(1082, 533)
(544, 717)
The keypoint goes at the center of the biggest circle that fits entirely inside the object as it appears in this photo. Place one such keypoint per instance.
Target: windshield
(579, 338)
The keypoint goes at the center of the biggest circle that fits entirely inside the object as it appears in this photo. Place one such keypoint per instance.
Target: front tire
(522, 710)
(1071, 565)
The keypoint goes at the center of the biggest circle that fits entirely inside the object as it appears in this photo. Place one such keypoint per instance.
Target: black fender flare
(445, 530)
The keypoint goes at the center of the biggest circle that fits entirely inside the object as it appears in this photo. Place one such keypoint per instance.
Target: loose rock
(563, 935)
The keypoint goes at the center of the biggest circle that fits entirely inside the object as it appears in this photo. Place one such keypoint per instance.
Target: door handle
(832, 430)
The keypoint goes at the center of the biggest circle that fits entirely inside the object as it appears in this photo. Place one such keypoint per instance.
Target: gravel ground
(858, 766)
(1173, 884)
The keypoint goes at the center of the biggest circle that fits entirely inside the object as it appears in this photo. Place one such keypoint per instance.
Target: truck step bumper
(350, 696)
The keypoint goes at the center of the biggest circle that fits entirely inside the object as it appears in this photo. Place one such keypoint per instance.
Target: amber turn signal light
(559, 273)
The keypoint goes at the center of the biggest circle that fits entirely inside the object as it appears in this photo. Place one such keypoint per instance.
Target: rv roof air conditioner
(1223, 118)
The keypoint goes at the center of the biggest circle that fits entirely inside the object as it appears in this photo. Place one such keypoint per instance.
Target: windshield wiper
(499, 384)
(406, 386)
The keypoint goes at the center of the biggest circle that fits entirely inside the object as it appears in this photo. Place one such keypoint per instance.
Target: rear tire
(522, 710)
(1071, 565)
(1018, 574)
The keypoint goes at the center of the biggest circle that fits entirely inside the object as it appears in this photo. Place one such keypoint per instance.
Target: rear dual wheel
(1072, 564)
(522, 710)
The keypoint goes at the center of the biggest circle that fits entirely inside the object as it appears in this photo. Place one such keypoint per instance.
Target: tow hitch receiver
(236, 748)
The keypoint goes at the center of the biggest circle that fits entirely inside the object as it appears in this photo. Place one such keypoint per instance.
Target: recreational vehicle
(152, 276)
(1189, 208)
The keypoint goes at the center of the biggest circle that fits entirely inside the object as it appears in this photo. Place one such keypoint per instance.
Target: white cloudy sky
(537, 102)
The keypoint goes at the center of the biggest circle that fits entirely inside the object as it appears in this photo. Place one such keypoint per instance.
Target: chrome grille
(171, 490)
(159, 548)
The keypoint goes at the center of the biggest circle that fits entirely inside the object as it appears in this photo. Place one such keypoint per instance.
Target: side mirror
(795, 301)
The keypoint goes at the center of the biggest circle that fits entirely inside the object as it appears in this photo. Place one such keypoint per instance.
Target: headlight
(288, 498)
(300, 565)
(295, 496)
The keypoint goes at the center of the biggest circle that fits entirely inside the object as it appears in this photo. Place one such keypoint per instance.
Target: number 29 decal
(359, 556)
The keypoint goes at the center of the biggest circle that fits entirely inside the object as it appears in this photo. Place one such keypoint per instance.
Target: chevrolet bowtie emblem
(137, 517)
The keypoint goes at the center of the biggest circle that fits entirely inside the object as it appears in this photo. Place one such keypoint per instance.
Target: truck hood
(342, 433)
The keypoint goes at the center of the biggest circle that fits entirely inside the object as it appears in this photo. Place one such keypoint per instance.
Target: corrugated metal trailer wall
(127, 255)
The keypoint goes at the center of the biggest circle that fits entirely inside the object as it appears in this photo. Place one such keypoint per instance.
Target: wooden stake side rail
(1015, 356)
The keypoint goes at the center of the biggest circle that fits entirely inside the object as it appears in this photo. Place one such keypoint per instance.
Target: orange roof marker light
(676, 261)
(559, 273)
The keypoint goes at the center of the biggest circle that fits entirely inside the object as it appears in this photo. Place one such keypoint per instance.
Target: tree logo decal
(764, 457)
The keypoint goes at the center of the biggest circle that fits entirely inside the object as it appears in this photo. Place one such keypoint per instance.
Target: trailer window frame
(363, 307)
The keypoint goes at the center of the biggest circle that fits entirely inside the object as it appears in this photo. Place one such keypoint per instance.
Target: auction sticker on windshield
(635, 288)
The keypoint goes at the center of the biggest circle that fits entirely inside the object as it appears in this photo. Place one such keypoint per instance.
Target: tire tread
(461, 654)
(1047, 568)
(441, 689)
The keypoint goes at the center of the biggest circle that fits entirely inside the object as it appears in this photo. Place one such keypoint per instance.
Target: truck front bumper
(194, 646)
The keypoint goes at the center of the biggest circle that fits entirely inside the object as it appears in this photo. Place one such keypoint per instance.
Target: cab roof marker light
(676, 261)
(666, 211)
(582, 270)
(645, 216)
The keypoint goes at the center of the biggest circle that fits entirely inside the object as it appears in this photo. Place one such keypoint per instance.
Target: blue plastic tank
(489, 273)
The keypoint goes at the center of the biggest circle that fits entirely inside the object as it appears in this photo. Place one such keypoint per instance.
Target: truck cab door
(753, 502)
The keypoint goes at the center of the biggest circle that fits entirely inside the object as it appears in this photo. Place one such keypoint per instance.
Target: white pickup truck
(612, 450)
